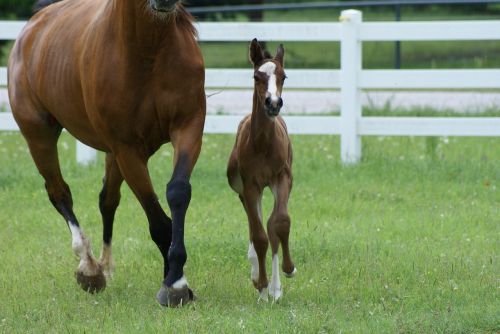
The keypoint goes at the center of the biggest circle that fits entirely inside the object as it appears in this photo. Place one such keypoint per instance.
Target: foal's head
(163, 5)
(269, 76)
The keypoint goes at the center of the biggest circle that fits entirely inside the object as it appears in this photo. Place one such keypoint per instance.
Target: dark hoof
(291, 274)
(91, 284)
(168, 296)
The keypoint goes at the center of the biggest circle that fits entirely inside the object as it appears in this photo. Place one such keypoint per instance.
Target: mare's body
(125, 77)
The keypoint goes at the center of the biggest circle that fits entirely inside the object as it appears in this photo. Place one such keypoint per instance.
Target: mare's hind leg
(42, 134)
(109, 199)
(278, 228)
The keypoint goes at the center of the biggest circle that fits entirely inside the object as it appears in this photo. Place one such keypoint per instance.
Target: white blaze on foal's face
(269, 69)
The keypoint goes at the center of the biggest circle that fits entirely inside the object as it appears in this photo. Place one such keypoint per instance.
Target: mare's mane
(41, 4)
(181, 16)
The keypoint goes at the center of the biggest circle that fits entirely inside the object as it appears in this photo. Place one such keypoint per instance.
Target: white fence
(350, 79)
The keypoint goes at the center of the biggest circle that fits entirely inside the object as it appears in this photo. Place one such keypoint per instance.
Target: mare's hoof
(290, 275)
(91, 284)
(168, 296)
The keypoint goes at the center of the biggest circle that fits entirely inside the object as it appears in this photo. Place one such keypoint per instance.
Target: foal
(262, 157)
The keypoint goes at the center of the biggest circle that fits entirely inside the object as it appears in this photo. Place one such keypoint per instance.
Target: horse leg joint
(178, 194)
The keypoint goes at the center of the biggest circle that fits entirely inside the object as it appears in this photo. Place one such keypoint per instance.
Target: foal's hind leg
(278, 228)
(42, 134)
(109, 199)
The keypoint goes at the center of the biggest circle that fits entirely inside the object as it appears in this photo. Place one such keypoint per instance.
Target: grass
(406, 241)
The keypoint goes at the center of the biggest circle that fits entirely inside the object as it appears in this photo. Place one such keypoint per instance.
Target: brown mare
(125, 77)
(262, 157)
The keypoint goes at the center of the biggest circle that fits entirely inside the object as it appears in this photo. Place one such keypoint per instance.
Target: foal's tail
(41, 4)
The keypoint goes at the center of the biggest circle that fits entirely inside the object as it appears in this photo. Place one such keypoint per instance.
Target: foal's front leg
(258, 239)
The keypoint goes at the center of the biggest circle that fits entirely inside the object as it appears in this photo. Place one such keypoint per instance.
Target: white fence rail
(350, 79)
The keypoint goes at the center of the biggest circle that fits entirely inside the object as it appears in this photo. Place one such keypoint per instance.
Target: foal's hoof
(91, 284)
(292, 274)
(171, 297)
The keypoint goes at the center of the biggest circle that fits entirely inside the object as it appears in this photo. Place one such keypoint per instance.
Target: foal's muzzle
(163, 5)
(273, 107)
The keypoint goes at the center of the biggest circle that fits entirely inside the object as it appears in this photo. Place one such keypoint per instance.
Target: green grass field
(405, 242)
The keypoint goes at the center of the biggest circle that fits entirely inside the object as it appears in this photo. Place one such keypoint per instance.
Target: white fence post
(350, 71)
(85, 154)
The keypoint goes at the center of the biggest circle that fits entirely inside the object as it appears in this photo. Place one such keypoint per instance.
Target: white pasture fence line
(350, 79)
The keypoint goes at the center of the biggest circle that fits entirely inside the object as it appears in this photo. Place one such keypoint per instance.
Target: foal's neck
(262, 127)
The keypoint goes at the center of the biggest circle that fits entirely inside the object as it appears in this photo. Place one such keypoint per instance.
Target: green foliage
(16, 9)
(401, 243)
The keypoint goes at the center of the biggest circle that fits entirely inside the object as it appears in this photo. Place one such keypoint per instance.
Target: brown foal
(262, 157)
(125, 77)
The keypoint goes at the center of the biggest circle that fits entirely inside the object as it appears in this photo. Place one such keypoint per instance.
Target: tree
(16, 9)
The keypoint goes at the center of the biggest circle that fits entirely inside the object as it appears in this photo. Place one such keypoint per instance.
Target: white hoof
(275, 292)
(263, 295)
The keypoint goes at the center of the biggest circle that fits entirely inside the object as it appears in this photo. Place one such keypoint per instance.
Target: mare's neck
(262, 127)
(138, 28)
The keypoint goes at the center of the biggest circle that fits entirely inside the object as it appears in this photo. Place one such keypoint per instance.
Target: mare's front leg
(187, 145)
(252, 197)
(133, 167)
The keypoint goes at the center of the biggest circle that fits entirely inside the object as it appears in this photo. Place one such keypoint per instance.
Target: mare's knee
(178, 194)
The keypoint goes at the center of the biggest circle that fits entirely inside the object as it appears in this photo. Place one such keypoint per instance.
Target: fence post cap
(351, 15)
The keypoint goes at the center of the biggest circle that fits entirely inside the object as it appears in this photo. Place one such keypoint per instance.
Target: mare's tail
(41, 4)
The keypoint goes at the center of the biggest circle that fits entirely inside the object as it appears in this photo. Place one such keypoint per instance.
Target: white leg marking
(107, 262)
(81, 246)
(180, 283)
(263, 295)
(77, 240)
(275, 288)
(252, 257)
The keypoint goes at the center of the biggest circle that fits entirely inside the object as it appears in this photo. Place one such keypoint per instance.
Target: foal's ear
(280, 54)
(256, 54)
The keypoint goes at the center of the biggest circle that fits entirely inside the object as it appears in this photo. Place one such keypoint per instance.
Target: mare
(262, 157)
(124, 77)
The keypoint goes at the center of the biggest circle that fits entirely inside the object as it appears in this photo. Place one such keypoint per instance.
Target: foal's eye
(256, 77)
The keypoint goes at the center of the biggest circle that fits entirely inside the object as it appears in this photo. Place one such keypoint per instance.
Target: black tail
(41, 4)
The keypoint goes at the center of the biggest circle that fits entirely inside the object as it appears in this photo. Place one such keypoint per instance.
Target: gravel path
(240, 101)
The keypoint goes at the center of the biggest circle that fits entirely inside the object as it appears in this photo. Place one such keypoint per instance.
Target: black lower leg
(108, 210)
(63, 204)
(178, 197)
